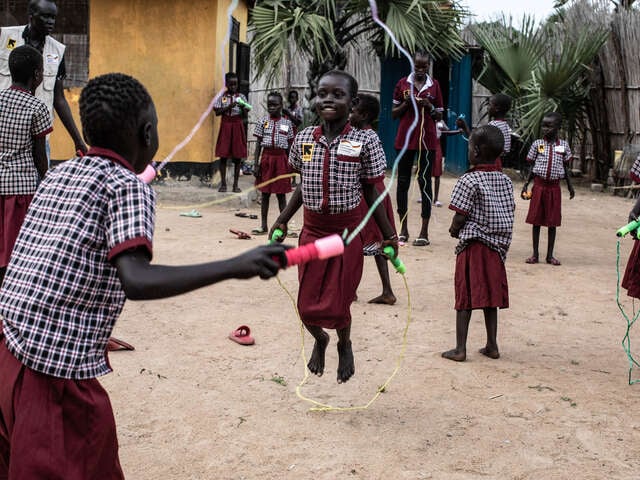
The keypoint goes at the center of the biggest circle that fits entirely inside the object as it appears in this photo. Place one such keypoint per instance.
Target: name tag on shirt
(349, 148)
(284, 128)
(559, 149)
(51, 58)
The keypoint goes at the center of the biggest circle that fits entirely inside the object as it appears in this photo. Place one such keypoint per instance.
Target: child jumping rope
(338, 165)
(274, 134)
(483, 201)
(363, 115)
(232, 140)
(550, 156)
(86, 246)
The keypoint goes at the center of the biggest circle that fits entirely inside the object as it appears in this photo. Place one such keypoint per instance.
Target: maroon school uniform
(631, 278)
(232, 140)
(425, 130)
(332, 174)
(549, 159)
(484, 195)
(275, 136)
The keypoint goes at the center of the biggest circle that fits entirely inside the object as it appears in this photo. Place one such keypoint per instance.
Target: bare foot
(385, 299)
(455, 355)
(346, 366)
(316, 362)
(491, 353)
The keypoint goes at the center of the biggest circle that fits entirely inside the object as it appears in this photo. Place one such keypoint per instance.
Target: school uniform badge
(307, 152)
(11, 44)
(541, 148)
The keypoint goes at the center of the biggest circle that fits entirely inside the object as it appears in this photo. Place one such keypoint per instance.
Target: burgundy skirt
(545, 206)
(480, 278)
(328, 287)
(232, 140)
(13, 209)
(273, 163)
(54, 427)
(371, 233)
(631, 279)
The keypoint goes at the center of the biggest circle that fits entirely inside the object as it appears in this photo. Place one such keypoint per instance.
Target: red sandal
(553, 261)
(531, 259)
(242, 335)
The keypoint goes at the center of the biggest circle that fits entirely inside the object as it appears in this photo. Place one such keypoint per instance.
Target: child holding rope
(232, 140)
(85, 246)
(422, 142)
(550, 156)
(483, 201)
(338, 165)
(275, 134)
(631, 279)
(364, 114)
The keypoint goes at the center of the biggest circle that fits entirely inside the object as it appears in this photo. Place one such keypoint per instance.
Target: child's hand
(460, 123)
(280, 226)
(391, 242)
(454, 232)
(572, 193)
(264, 261)
(257, 171)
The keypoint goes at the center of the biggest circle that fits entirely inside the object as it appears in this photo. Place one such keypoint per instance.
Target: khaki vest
(10, 38)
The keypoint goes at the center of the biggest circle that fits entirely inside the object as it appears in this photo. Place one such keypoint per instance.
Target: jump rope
(626, 340)
(329, 246)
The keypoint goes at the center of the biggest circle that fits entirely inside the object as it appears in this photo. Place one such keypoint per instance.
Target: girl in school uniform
(275, 134)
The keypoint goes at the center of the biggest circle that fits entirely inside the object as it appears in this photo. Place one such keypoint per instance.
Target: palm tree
(322, 28)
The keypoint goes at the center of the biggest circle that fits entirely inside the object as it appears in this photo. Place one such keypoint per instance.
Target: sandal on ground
(240, 234)
(421, 242)
(402, 239)
(114, 344)
(531, 259)
(223, 188)
(553, 261)
(242, 335)
(259, 231)
(292, 235)
(193, 214)
(236, 190)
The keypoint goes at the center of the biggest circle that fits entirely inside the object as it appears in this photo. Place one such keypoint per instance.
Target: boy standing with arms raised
(483, 201)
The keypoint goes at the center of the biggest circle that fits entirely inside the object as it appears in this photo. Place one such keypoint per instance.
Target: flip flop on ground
(421, 242)
(241, 235)
(114, 344)
(242, 335)
(193, 214)
(259, 231)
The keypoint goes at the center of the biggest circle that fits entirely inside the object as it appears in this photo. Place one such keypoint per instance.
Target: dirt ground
(191, 404)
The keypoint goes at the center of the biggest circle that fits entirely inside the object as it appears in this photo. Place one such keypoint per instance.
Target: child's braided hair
(110, 107)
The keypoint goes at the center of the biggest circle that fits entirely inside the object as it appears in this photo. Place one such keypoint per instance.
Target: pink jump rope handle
(326, 247)
(148, 174)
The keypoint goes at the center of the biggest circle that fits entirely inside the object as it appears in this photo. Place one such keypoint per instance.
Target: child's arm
(256, 158)
(572, 192)
(462, 125)
(456, 224)
(40, 155)
(142, 281)
(289, 211)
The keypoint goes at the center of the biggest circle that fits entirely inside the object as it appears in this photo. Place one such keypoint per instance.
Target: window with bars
(72, 29)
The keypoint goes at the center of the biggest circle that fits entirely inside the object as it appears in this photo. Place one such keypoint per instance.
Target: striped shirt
(61, 295)
(484, 195)
(22, 117)
(274, 132)
(332, 173)
(549, 158)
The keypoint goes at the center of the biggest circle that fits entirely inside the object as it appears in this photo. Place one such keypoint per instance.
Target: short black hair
(33, 5)
(424, 54)
(229, 75)
(274, 93)
(110, 106)
(353, 83)
(557, 117)
(291, 92)
(370, 106)
(502, 101)
(491, 137)
(23, 62)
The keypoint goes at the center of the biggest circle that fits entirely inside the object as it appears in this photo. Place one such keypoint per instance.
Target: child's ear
(146, 134)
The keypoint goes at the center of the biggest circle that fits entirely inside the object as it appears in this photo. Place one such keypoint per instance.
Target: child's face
(549, 128)
(334, 101)
(232, 85)
(293, 98)
(493, 108)
(274, 106)
(420, 67)
(357, 118)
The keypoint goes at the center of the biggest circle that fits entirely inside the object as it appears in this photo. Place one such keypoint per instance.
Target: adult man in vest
(42, 18)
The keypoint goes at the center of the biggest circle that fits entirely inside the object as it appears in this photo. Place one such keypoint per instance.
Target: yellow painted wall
(174, 49)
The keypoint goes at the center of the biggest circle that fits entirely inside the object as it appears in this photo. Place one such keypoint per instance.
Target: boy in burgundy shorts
(550, 157)
(484, 205)
(85, 246)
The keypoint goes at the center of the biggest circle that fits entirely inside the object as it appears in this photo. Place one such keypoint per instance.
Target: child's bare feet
(490, 352)
(346, 366)
(455, 355)
(316, 362)
(385, 298)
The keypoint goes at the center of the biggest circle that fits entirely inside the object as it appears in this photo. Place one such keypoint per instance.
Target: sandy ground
(191, 404)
